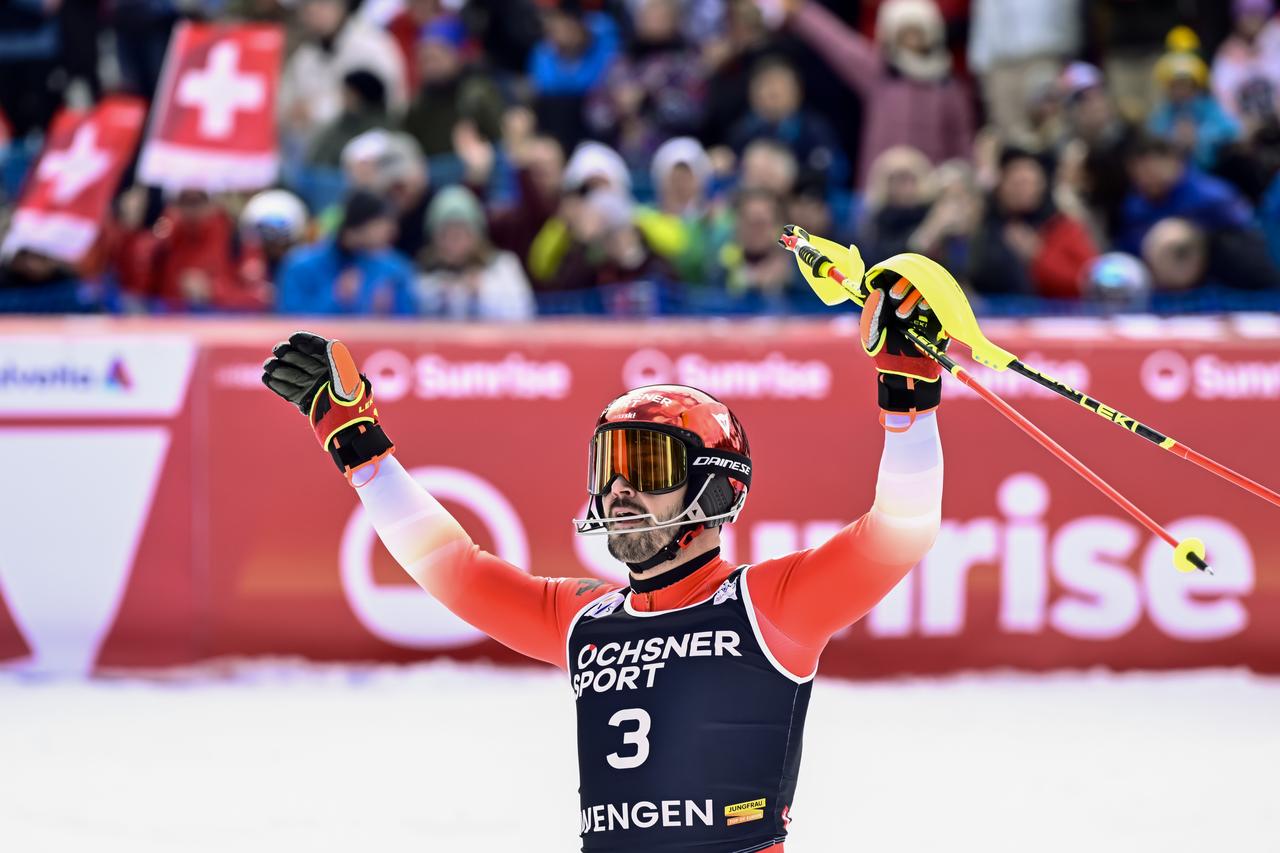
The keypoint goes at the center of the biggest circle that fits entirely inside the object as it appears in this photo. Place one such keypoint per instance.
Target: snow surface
(282, 756)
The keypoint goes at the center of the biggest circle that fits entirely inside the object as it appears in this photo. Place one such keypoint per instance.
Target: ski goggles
(650, 460)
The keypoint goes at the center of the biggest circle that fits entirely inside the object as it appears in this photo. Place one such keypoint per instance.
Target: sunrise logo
(118, 377)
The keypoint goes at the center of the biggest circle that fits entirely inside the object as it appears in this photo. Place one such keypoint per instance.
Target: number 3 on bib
(638, 738)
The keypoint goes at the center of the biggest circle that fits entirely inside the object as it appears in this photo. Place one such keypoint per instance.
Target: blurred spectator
(1267, 145)
(272, 223)
(1046, 129)
(750, 266)
(401, 177)
(391, 165)
(1188, 115)
(34, 283)
(624, 255)
(30, 44)
(539, 165)
(142, 29)
(1016, 48)
(777, 112)
(945, 233)
(465, 277)
(406, 27)
(1117, 281)
(896, 204)
(333, 43)
(1129, 34)
(1165, 187)
(1177, 253)
(507, 30)
(1246, 69)
(730, 59)
(1024, 244)
(595, 166)
(769, 165)
(449, 91)
(653, 90)
(1093, 122)
(188, 259)
(364, 107)
(354, 272)
(604, 245)
(681, 176)
(570, 60)
(909, 94)
(809, 208)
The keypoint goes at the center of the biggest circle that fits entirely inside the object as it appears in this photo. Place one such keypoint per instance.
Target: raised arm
(531, 615)
(809, 595)
(850, 55)
(804, 598)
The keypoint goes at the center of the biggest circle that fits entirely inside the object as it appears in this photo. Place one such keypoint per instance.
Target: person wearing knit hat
(451, 89)
(910, 95)
(1246, 69)
(1188, 114)
(596, 164)
(681, 172)
(465, 277)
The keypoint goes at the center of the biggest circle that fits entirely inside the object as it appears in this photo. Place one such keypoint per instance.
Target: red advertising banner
(160, 506)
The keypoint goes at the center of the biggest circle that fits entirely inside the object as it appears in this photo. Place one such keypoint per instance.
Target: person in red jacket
(691, 681)
(1025, 245)
(188, 260)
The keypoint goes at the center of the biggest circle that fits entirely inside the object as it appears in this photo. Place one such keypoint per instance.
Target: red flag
(213, 125)
(64, 202)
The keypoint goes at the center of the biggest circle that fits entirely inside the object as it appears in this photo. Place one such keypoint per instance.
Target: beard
(641, 545)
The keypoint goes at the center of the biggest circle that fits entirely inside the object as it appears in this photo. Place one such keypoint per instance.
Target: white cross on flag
(65, 199)
(213, 125)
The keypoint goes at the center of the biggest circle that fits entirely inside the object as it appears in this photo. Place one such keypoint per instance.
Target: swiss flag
(65, 199)
(213, 125)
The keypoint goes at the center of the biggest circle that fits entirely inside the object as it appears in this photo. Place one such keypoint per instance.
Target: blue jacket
(1208, 202)
(1213, 126)
(309, 282)
(553, 74)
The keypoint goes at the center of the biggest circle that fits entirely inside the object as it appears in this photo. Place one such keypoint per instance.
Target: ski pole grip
(796, 239)
(811, 257)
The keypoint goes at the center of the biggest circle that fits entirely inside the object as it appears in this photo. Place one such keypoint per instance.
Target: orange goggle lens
(649, 460)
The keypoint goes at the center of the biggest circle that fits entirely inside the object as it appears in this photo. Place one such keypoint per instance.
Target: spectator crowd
(499, 160)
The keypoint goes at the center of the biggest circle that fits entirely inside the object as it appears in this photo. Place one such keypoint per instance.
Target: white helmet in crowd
(275, 215)
(1117, 279)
